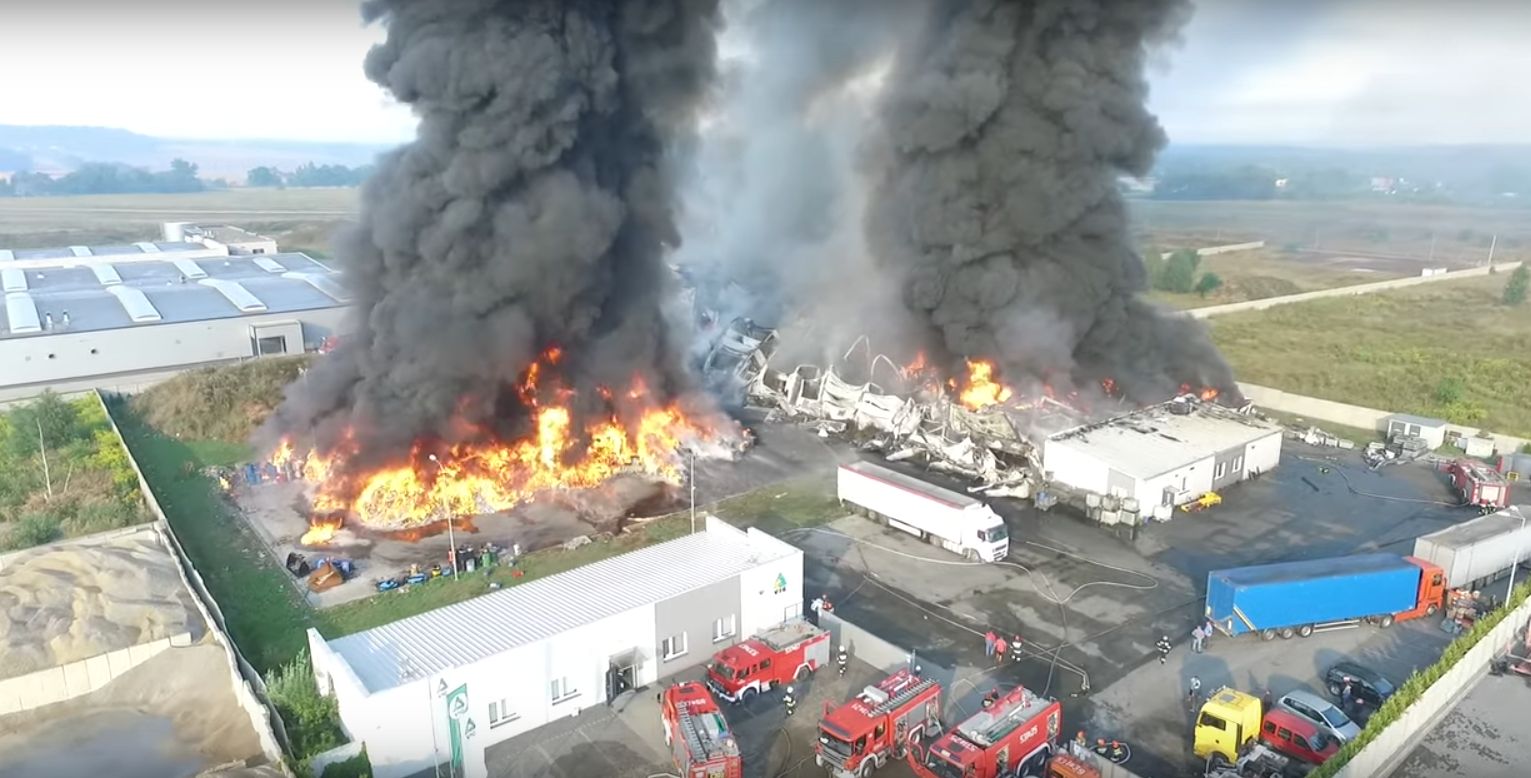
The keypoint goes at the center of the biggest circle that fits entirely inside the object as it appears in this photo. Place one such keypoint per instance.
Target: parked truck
(1476, 552)
(700, 742)
(1014, 736)
(956, 522)
(1479, 485)
(1321, 594)
(772, 658)
(885, 721)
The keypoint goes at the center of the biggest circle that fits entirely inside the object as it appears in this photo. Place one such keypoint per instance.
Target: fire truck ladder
(889, 704)
(699, 741)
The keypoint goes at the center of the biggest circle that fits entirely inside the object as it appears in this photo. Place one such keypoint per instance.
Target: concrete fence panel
(76, 679)
(1321, 410)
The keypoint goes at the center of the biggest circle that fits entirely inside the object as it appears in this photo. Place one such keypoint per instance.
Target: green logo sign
(781, 583)
(457, 722)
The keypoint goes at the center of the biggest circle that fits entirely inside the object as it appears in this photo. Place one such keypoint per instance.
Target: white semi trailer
(953, 521)
(1476, 552)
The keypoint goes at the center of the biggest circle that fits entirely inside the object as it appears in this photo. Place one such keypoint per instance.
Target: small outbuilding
(1432, 430)
(1164, 455)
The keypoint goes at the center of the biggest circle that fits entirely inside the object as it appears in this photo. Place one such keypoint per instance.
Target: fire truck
(1014, 736)
(699, 739)
(767, 660)
(1479, 485)
(880, 724)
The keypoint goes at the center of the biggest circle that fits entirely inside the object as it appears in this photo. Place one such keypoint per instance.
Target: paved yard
(1485, 736)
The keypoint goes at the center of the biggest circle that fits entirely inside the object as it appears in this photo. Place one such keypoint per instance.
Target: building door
(621, 674)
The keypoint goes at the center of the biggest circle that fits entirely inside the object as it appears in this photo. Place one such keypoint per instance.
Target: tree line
(105, 178)
(308, 174)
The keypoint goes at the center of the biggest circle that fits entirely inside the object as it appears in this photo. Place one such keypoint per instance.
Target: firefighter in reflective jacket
(842, 659)
(789, 699)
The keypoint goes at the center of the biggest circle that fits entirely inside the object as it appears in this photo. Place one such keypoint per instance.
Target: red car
(1297, 737)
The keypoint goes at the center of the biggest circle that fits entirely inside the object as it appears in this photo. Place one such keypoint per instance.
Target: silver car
(1322, 713)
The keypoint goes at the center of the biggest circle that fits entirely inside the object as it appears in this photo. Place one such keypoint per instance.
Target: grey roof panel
(58, 253)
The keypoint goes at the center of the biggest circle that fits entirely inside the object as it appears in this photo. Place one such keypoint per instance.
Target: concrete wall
(1345, 291)
(71, 355)
(1320, 411)
(1394, 743)
(249, 687)
(65, 682)
(1226, 248)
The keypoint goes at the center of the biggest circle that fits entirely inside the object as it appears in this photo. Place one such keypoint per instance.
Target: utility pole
(692, 452)
(451, 536)
(1491, 246)
(43, 448)
(1432, 246)
(1520, 541)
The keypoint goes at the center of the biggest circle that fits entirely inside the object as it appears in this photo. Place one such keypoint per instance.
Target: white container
(956, 522)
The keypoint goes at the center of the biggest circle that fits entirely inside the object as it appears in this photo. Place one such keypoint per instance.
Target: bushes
(32, 530)
(1410, 691)
(219, 403)
(356, 767)
(312, 720)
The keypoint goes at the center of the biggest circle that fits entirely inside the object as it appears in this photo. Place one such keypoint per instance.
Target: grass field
(1460, 234)
(300, 219)
(1449, 350)
(1258, 274)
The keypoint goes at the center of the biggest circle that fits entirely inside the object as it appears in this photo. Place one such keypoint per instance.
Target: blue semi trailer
(1299, 598)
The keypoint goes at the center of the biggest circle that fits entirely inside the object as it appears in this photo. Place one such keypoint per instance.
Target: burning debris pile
(508, 266)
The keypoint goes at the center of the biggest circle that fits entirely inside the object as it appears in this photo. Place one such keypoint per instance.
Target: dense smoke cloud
(534, 209)
(993, 174)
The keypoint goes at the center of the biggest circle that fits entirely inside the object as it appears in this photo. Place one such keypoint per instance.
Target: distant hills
(61, 149)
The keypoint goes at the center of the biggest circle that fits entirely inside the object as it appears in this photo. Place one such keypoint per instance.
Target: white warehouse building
(1163, 455)
(450, 684)
(124, 317)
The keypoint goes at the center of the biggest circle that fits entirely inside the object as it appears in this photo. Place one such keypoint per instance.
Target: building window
(1222, 470)
(562, 690)
(260, 251)
(276, 344)
(1238, 464)
(500, 713)
(724, 628)
(673, 646)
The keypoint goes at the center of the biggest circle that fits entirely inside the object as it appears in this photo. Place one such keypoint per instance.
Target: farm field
(1451, 350)
(1263, 273)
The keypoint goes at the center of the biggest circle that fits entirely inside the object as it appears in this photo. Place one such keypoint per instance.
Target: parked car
(1367, 686)
(1296, 737)
(1321, 712)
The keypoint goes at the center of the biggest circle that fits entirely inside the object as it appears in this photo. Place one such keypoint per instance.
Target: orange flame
(322, 530)
(478, 478)
(981, 389)
(1206, 393)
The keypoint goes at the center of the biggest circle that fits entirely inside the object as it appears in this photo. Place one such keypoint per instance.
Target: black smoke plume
(532, 210)
(994, 164)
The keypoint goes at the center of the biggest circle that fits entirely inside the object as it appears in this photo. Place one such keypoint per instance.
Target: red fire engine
(881, 723)
(1014, 736)
(699, 739)
(1479, 485)
(767, 660)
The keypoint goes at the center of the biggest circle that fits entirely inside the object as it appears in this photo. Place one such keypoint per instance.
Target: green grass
(775, 508)
(222, 404)
(1263, 273)
(266, 616)
(1396, 351)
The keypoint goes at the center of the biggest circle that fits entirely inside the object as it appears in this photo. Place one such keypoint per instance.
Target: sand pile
(86, 598)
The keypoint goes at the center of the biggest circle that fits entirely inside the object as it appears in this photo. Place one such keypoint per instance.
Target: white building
(1432, 430)
(228, 239)
(448, 684)
(1166, 454)
(124, 317)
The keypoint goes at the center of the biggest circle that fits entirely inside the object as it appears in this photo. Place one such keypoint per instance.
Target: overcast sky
(1247, 71)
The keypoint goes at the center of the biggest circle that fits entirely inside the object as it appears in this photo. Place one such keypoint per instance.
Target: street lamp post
(1519, 541)
(692, 452)
(451, 536)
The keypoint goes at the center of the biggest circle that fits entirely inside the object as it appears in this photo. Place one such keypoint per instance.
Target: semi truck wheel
(1267, 634)
(970, 555)
(1431, 609)
(1305, 630)
(802, 673)
(1385, 621)
(1287, 633)
(747, 694)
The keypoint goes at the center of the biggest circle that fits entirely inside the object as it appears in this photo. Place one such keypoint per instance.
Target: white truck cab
(956, 522)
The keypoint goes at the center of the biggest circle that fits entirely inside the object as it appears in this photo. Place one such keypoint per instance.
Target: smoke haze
(992, 171)
(533, 209)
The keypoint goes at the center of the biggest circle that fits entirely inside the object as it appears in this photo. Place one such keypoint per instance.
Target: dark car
(1367, 686)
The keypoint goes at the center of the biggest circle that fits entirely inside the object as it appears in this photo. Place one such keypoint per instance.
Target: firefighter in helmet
(789, 699)
(842, 659)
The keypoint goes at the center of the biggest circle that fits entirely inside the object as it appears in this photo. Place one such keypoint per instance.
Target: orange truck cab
(1432, 590)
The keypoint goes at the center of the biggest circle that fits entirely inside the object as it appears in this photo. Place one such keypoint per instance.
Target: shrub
(1449, 390)
(1179, 273)
(33, 530)
(1515, 288)
(1209, 283)
(312, 720)
(356, 767)
(218, 403)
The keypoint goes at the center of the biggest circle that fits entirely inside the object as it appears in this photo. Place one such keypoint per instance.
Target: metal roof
(120, 250)
(1154, 440)
(1477, 530)
(466, 632)
(230, 286)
